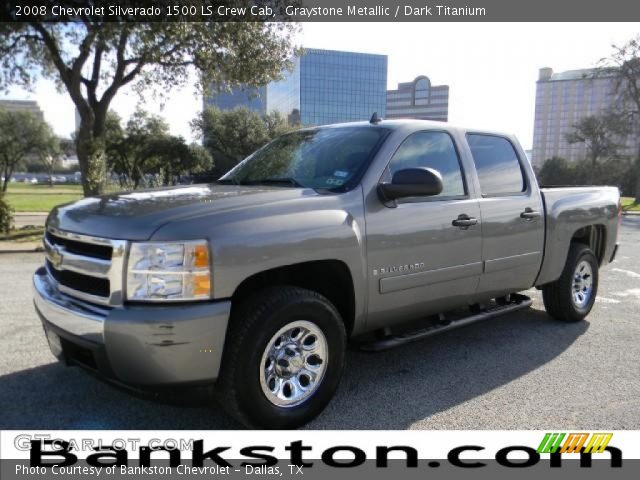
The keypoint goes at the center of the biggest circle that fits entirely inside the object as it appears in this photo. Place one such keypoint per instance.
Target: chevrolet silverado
(378, 233)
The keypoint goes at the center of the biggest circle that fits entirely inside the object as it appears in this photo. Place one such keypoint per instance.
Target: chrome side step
(518, 302)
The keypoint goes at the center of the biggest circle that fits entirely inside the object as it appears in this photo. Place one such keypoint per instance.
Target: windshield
(322, 158)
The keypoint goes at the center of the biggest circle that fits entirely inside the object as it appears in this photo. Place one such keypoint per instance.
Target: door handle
(464, 221)
(529, 214)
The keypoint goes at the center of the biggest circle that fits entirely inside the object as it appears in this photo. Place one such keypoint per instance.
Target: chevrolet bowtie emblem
(55, 257)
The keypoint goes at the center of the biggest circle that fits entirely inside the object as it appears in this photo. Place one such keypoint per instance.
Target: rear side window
(497, 165)
(431, 150)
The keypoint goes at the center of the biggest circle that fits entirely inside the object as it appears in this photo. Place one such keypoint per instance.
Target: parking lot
(520, 371)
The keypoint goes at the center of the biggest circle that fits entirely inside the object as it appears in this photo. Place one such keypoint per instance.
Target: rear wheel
(571, 297)
(283, 358)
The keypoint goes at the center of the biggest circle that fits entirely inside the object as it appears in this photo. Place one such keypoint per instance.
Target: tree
(6, 216)
(145, 137)
(116, 150)
(624, 65)
(145, 148)
(616, 171)
(177, 159)
(48, 148)
(68, 149)
(132, 152)
(232, 135)
(21, 134)
(556, 171)
(93, 60)
(600, 134)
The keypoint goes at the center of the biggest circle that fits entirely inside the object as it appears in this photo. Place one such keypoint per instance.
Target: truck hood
(137, 215)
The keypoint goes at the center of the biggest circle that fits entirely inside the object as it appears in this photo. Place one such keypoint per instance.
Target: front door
(423, 253)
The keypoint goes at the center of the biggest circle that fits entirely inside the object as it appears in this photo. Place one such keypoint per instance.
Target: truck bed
(568, 210)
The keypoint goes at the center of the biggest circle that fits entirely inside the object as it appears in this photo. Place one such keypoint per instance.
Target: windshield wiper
(275, 181)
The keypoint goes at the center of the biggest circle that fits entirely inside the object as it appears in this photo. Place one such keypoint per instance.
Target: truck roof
(410, 124)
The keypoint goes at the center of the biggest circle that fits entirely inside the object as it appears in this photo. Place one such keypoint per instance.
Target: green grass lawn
(40, 198)
(44, 188)
(628, 204)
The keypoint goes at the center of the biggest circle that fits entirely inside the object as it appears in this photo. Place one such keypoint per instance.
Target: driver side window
(433, 150)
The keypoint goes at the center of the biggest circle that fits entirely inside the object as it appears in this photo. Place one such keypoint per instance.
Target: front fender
(263, 244)
(253, 240)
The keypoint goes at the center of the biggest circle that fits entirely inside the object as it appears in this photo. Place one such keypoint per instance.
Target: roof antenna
(375, 119)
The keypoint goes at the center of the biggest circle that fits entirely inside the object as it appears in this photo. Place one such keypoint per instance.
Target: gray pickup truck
(379, 232)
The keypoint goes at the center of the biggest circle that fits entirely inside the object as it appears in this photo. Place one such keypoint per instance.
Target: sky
(491, 68)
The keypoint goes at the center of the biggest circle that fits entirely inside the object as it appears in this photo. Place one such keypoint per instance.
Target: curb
(33, 250)
(11, 247)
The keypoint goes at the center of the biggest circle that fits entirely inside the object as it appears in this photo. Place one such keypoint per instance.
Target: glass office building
(325, 86)
(284, 95)
(341, 86)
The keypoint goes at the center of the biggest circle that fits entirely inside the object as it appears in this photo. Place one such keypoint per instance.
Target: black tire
(558, 296)
(253, 323)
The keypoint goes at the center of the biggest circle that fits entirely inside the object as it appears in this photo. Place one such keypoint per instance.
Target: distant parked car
(57, 179)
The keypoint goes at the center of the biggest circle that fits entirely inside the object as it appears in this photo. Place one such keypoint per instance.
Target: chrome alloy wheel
(582, 284)
(294, 363)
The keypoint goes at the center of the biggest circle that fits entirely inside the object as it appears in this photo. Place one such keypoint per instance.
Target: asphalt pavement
(519, 371)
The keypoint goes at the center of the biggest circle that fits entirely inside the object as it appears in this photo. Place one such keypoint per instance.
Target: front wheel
(571, 297)
(283, 358)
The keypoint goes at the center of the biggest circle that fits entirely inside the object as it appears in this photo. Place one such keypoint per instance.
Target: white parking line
(607, 300)
(634, 292)
(628, 272)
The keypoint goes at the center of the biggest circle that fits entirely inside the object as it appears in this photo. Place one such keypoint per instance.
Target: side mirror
(412, 182)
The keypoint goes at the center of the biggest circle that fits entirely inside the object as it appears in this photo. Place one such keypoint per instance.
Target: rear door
(512, 216)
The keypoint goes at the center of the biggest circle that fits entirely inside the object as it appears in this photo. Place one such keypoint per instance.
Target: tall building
(419, 99)
(325, 86)
(562, 99)
(22, 105)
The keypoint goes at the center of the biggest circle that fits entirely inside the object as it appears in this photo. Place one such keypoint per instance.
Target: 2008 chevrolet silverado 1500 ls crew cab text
(350, 231)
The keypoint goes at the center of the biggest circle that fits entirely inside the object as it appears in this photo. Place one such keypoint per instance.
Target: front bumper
(138, 345)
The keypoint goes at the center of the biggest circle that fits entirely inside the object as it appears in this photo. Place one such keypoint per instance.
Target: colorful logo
(574, 443)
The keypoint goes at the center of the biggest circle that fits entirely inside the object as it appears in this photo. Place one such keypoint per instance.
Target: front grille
(80, 282)
(89, 249)
(88, 268)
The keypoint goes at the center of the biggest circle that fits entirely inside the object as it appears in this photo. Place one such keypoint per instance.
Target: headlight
(169, 271)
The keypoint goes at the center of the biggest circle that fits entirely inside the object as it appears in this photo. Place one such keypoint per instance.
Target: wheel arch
(594, 237)
(330, 278)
